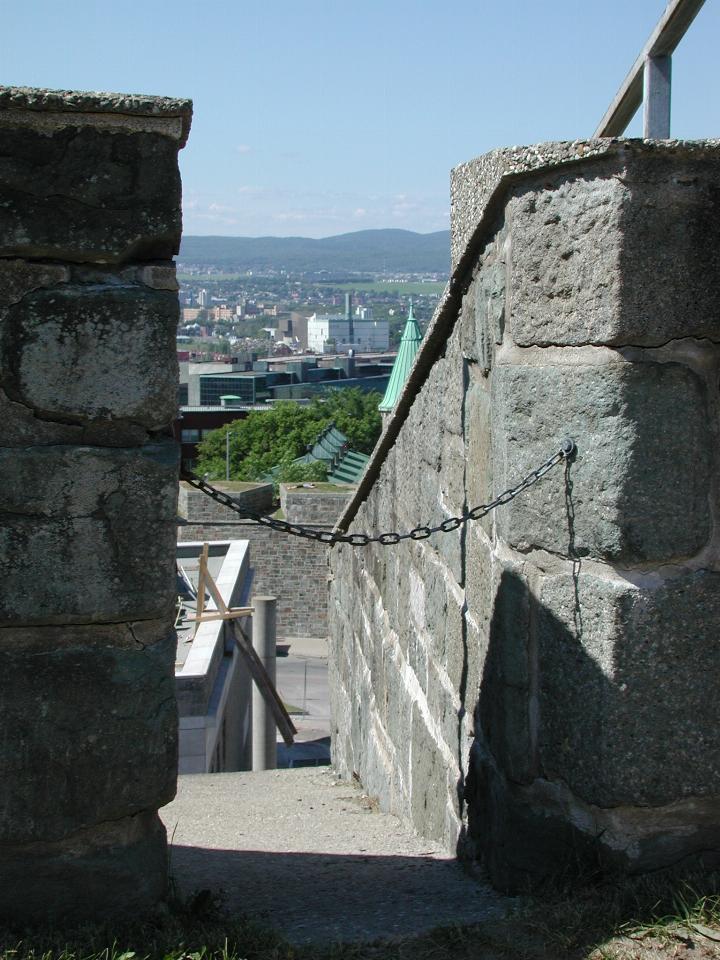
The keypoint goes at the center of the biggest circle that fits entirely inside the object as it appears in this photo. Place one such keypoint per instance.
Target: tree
(265, 440)
(355, 414)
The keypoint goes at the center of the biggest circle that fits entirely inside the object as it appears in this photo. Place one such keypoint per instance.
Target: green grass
(319, 487)
(239, 486)
(215, 277)
(410, 288)
(649, 918)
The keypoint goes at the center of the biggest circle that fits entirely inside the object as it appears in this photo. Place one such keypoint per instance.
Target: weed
(643, 918)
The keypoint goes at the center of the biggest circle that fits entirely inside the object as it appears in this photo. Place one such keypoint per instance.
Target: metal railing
(649, 81)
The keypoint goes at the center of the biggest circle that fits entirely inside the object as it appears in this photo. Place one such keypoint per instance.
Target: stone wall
(289, 568)
(90, 194)
(305, 505)
(539, 687)
(196, 507)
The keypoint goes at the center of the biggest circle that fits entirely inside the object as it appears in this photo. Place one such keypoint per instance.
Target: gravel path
(312, 856)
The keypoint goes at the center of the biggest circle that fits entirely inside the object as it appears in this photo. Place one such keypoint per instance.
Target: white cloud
(243, 148)
(250, 210)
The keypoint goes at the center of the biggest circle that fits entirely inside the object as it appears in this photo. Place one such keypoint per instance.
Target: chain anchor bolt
(568, 447)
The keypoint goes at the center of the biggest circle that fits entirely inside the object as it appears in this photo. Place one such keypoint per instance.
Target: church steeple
(409, 346)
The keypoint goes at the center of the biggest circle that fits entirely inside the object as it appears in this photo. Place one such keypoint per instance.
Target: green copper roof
(343, 465)
(409, 346)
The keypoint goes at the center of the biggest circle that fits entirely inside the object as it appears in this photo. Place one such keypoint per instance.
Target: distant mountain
(367, 251)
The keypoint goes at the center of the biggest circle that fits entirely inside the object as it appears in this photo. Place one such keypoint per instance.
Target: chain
(386, 539)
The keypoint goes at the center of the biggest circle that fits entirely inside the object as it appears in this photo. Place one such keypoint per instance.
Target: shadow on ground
(321, 897)
(304, 753)
(430, 909)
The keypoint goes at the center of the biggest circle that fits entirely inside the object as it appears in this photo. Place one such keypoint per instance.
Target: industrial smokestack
(349, 317)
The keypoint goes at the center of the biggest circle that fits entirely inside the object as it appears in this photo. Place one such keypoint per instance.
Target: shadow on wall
(593, 730)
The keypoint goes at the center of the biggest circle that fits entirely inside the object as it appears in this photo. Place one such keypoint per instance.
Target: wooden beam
(265, 685)
(230, 614)
(668, 33)
(202, 576)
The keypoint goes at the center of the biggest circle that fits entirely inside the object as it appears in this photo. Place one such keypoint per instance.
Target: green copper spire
(409, 346)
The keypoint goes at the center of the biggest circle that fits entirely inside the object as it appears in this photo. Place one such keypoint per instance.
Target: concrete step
(312, 856)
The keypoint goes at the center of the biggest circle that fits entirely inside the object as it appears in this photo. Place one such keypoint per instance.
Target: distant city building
(203, 298)
(222, 312)
(339, 333)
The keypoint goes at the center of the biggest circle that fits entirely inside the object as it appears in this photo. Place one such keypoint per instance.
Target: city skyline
(315, 119)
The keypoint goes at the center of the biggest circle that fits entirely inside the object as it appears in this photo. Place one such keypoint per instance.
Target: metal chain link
(386, 539)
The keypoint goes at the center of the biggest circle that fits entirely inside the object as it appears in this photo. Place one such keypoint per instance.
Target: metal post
(264, 736)
(227, 454)
(657, 76)
(305, 690)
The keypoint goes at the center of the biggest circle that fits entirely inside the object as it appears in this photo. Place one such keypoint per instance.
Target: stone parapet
(291, 569)
(90, 194)
(90, 178)
(537, 688)
(303, 504)
(195, 507)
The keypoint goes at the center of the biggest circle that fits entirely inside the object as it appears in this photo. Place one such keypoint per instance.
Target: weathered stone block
(429, 795)
(64, 353)
(104, 871)
(505, 709)
(93, 726)
(587, 264)
(644, 446)
(564, 273)
(446, 710)
(628, 704)
(18, 278)
(452, 474)
(529, 833)
(74, 533)
(483, 312)
(86, 194)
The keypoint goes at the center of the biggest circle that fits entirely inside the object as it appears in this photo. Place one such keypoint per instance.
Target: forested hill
(367, 251)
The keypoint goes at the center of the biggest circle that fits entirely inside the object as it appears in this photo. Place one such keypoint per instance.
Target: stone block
(628, 706)
(446, 710)
(478, 444)
(109, 870)
(452, 473)
(532, 833)
(447, 381)
(483, 313)
(21, 428)
(74, 543)
(587, 266)
(505, 706)
(159, 277)
(670, 289)
(641, 483)
(92, 353)
(478, 578)
(429, 795)
(399, 712)
(18, 278)
(565, 281)
(90, 726)
(85, 194)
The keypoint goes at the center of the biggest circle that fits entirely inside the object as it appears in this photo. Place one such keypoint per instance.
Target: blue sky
(317, 117)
